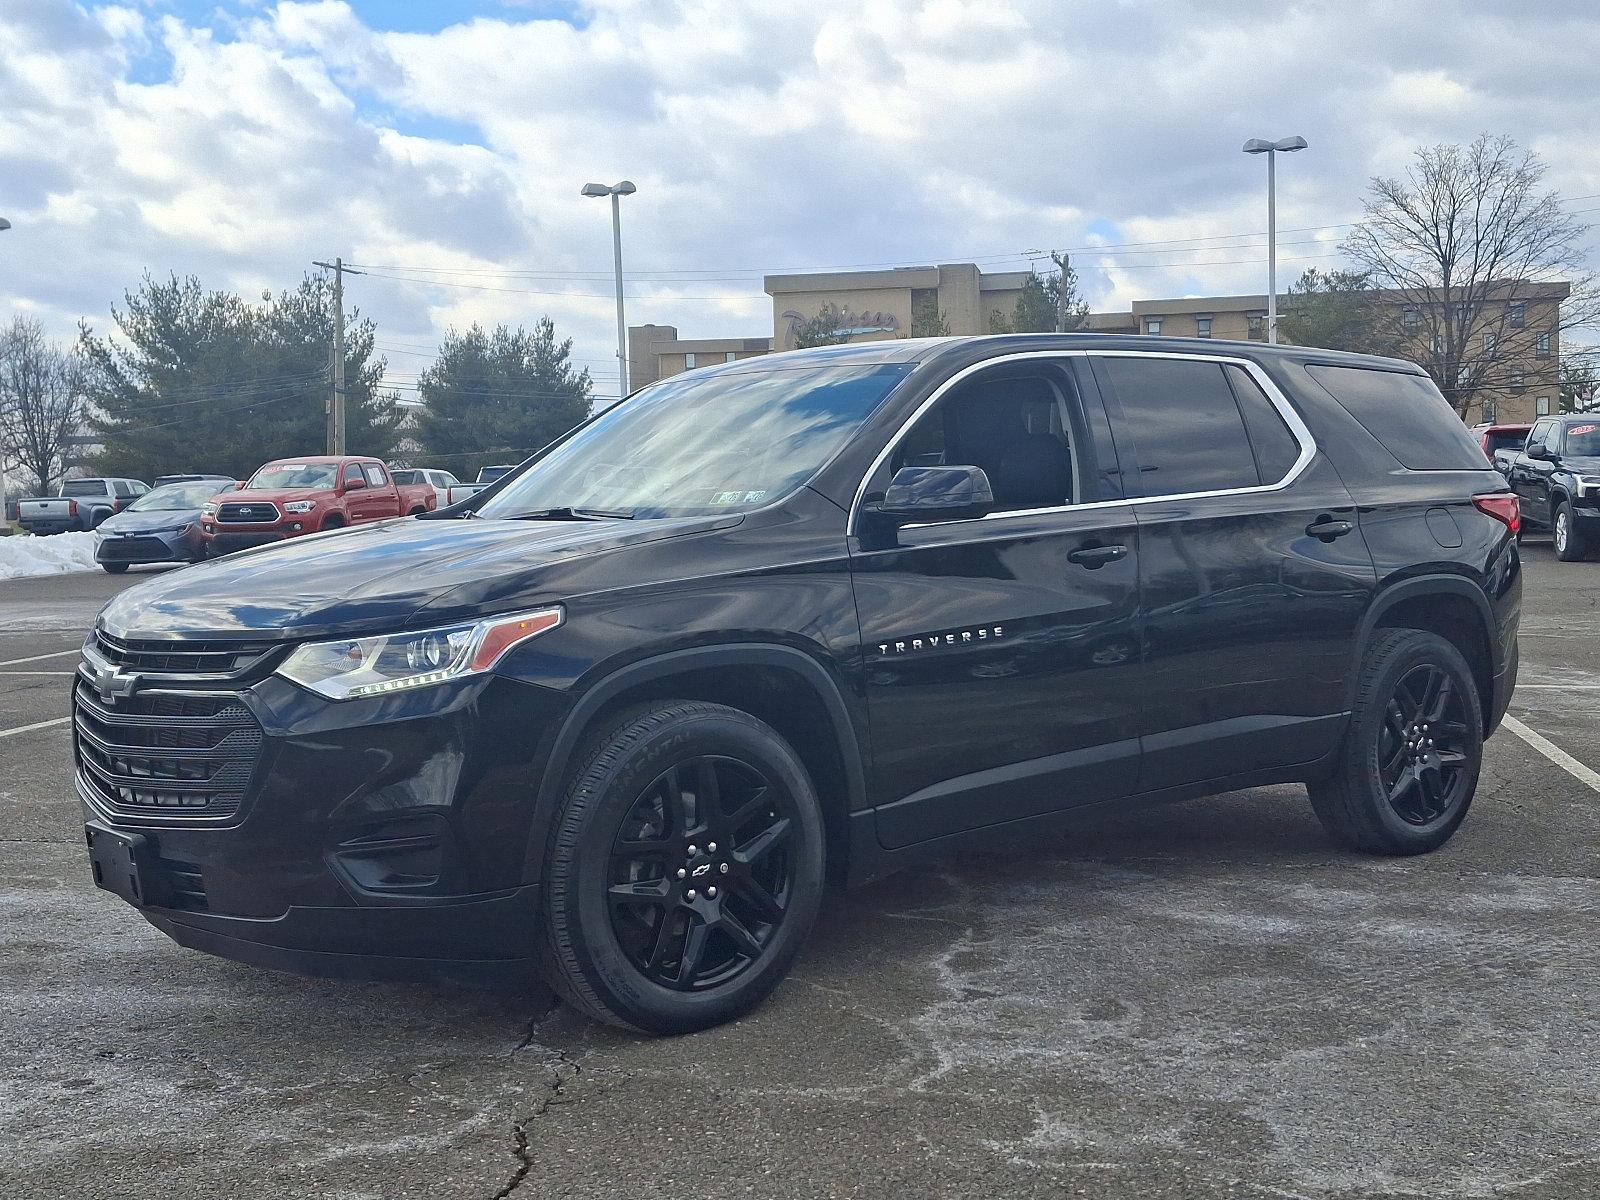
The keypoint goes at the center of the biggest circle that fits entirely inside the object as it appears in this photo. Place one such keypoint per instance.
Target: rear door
(1002, 653)
(1253, 574)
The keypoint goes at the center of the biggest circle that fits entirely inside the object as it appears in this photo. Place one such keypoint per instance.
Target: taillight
(72, 508)
(1502, 506)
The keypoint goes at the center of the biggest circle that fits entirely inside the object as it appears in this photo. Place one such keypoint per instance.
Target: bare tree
(1472, 244)
(42, 400)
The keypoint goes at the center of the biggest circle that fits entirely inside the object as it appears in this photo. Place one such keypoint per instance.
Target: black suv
(804, 618)
(1556, 476)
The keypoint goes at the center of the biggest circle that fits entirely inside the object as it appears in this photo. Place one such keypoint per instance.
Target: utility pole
(336, 403)
(1062, 262)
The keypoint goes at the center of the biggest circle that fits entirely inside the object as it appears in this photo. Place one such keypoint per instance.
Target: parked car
(1556, 478)
(808, 617)
(440, 481)
(80, 504)
(161, 526)
(1494, 438)
(313, 494)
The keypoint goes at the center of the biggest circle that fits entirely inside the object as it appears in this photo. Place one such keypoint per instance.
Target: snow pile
(21, 557)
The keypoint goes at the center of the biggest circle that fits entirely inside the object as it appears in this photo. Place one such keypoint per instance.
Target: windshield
(1583, 441)
(295, 475)
(691, 445)
(176, 497)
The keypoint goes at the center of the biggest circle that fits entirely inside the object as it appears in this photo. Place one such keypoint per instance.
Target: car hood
(144, 522)
(1581, 464)
(378, 577)
(271, 495)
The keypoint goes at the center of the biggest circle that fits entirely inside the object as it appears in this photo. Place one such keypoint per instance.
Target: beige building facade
(1515, 341)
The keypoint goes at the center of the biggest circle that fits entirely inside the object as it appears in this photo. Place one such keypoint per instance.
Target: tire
(114, 568)
(1569, 543)
(1434, 786)
(619, 915)
(332, 522)
(416, 512)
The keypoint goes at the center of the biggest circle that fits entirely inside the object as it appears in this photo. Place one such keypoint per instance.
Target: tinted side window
(1406, 413)
(84, 487)
(1015, 426)
(1275, 447)
(352, 471)
(121, 488)
(1185, 427)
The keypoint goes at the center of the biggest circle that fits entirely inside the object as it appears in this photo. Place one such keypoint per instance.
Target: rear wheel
(1409, 764)
(685, 870)
(115, 568)
(1569, 542)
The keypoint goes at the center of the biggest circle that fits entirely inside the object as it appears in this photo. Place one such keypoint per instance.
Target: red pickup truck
(294, 496)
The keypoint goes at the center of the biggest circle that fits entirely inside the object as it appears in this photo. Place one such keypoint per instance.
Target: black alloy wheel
(685, 868)
(701, 873)
(1422, 752)
(1404, 777)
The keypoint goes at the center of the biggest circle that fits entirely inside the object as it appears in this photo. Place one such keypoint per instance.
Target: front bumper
(380, 838)
(163, 547)
(224, 539)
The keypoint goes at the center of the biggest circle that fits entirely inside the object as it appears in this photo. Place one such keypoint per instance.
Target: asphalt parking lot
(1205, 1000)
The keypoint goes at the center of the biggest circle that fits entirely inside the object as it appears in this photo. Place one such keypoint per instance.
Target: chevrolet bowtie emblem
(112, 683)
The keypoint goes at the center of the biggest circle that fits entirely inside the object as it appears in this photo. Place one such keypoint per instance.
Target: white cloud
(762, 137)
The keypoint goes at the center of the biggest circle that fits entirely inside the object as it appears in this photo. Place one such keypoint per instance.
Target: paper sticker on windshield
(727, 498)
(290, 467)
(1577, 429)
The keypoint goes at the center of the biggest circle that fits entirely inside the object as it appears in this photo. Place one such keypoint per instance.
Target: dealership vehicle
(161, 526)
(1494, 438)
(440, 481)
(1556, 477)
(314, 494)
(803, 618)
(81, 504)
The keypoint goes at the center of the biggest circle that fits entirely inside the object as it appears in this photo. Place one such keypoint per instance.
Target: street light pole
(616, 192)
(1272, 150)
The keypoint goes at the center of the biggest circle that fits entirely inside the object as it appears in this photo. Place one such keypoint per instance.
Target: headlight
(370, 666)
(209, 508)
(299, 506)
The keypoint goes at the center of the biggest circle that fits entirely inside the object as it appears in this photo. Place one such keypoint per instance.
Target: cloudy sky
(442, 144)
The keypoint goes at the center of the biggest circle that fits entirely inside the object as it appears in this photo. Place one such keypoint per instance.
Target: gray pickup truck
(81, 504)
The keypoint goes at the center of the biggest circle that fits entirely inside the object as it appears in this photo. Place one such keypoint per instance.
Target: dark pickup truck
(799, 619)
(1556, 477)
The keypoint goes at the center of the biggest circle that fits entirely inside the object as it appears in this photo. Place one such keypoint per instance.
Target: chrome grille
(237, 513)
(166, 754)
(207, 658)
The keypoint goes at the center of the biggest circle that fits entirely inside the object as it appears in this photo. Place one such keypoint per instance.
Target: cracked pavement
(1205, 1000)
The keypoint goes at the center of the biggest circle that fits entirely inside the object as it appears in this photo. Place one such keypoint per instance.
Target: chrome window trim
(1297, 427)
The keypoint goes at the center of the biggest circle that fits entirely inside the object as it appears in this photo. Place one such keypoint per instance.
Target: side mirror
(936, 494)
(240, 485)
(1542, 452)
(358, 481)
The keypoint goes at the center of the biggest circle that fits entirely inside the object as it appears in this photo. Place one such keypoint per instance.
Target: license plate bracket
(123, 864)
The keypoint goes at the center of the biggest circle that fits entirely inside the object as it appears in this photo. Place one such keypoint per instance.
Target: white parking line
(1558, 687)
(11, 662)
(5, 733)
(1553, 752)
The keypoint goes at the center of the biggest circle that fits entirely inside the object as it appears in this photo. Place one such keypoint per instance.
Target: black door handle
(1327, 528)
(1095, 557)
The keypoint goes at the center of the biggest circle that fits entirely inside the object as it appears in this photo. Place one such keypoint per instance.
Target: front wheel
(1569, 542)
(1409, 765)
(685, 871)
(114, 568)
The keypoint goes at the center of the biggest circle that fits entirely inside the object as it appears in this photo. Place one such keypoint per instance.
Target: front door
(1530, 477)
(1253, 572)
(1001, 654)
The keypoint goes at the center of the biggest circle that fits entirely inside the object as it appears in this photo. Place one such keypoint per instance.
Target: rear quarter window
(1406, 413)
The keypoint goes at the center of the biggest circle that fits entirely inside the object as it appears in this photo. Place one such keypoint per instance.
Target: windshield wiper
(565, 513)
